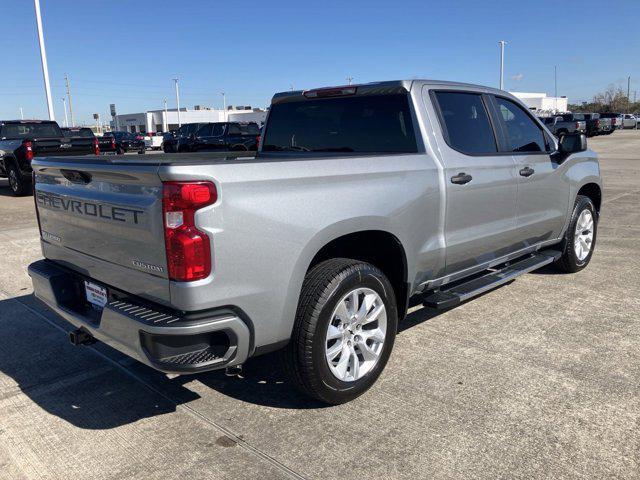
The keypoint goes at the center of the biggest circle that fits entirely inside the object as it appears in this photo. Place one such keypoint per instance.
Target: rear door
(480, 182)
(542, 190)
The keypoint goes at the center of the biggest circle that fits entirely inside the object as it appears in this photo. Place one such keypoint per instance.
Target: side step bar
(454, 295)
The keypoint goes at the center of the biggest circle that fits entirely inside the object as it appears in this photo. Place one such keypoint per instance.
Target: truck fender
(316, 243)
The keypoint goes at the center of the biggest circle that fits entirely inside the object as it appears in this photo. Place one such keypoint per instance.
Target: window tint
(524, 134)
(31, 130)
(466, 122)
(77, 132)
(205, 131)
(250, 129)
(365, 123)
(218, 129)
(234, 129)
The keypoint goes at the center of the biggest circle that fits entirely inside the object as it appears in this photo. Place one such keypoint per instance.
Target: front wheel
(580, 238)
(344, 330)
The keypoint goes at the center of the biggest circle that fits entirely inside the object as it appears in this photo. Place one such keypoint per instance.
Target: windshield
(250, 129)
(31, 130)
(80, 132)
(361, 124)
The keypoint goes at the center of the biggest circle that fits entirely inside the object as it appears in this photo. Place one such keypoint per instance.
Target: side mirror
(572, 143)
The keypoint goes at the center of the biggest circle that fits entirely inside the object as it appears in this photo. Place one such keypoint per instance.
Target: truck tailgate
(103, 218)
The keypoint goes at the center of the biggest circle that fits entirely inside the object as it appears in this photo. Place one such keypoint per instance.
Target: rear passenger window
(524, 134)
(205, 131)
(466, 123)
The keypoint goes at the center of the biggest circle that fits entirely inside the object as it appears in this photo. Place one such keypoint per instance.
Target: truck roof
(386, 88)
(28, 121)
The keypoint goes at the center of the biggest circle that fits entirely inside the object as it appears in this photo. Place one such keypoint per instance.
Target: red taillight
(330, 92)
(96, 146)
(597, 123)
(28, 150)
(577, 126)
(188, 249)
(258, 138)
(113, 143)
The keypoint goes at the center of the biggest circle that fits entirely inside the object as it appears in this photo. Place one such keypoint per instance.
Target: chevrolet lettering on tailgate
(108, 212)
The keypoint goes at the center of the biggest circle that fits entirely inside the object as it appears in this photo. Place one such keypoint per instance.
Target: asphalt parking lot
(539, 378)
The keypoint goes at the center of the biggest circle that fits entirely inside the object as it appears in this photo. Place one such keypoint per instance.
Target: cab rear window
(358, 124)
(30, 130)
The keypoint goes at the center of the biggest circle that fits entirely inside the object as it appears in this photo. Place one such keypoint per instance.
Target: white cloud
(517, 77)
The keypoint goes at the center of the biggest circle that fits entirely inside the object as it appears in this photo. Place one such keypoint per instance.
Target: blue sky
(127, 52)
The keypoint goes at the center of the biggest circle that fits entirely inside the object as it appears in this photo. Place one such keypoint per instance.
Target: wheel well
(592, 190)
(378, 248)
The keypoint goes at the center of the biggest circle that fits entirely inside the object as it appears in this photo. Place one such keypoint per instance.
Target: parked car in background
(23, 140)
(153, 140)
(616, 120)
(176, 141)
(81, 137)
(231, 136)
(127, 141)
(629, 121)
(360, 198)
(597, 125)
(561, 126)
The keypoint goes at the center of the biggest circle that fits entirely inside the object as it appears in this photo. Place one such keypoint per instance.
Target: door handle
(527, 172)
(461, 178)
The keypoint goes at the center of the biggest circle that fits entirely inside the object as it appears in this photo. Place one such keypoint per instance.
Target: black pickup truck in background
(122, 142)
(81, 138)
(232, 136)
(597, 125)
(22, 140)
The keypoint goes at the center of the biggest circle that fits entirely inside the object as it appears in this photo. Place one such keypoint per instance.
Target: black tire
(119, 150)
(19, 186)
(304, 359)
(569, 262)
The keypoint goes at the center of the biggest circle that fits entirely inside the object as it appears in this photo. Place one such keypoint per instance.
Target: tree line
(613, 99)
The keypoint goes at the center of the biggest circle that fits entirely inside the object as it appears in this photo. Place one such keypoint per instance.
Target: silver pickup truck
(359, 198)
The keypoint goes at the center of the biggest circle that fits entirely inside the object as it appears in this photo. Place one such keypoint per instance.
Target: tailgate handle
(76, 176)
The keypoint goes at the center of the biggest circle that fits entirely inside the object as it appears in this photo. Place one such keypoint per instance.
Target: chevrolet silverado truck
(359, 199)
(23, 140)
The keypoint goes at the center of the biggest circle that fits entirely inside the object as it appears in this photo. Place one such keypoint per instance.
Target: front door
(543, 192)
(481, 185)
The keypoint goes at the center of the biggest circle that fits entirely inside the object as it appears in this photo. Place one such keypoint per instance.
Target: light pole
(178, 101)
(349, 79)
(21, 114)
(64, 105)
(502, 43)
(555, 87)
(224, 105)
(628, 91)
(165, 118)
(66, 79)
(43, 58)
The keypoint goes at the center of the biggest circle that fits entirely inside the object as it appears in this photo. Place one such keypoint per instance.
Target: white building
(540, 102)
(163, 121)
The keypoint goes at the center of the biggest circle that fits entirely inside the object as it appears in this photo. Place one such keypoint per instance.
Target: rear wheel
(19, 186)
(344, 330)
(580, 238)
